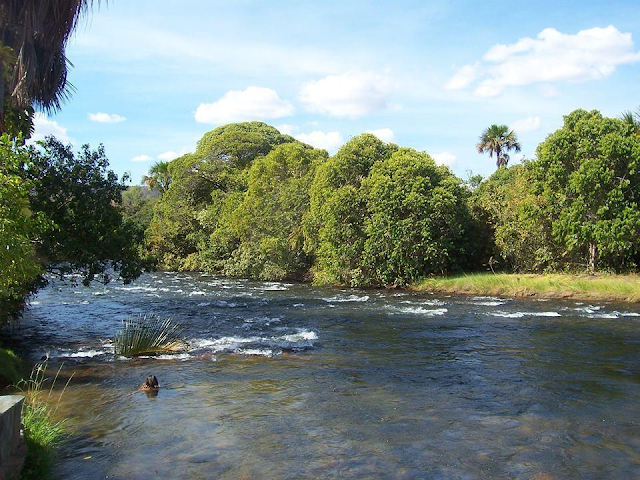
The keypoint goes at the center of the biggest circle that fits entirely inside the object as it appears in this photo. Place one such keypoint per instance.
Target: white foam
(524, 314)
(177, 356)
(300, 339)
(488, 304)
(423, 311)
(263, 352)
(138, 288)
(204, 304)
(274, 286)
(350, 298)
(85, 354)
(196, 292)
(225, 304)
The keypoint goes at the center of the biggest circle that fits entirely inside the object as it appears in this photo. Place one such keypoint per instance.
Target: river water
(287, 381)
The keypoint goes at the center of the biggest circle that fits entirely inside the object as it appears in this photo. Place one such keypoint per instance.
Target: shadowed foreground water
(289, 381)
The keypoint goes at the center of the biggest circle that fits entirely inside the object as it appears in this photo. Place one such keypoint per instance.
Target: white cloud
(286, 129)
(548, 91)
(384, 134)
(352, 94)
(328, 140)
(170, 155)
(106, 117)
(444, 158)
(43, 127)
(551, 57)
(464, 77)
(254, 103)
(528, 124)
(141, 158)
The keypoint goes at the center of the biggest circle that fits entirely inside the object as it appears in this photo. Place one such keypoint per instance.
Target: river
(287, 381)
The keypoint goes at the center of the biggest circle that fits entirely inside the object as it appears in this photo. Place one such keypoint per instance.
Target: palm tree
(33, 65)
(159, 177)
(632, 118)
(498, 140)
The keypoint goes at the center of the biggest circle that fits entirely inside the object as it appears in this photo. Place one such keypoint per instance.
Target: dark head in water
(151, 383)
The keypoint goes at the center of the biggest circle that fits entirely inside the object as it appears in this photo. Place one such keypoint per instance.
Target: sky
(151, 77)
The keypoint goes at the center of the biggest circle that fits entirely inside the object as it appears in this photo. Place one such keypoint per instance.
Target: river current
(287, 381)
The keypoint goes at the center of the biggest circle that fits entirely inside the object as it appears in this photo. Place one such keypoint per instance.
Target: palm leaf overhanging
(33, 71)
(148, 335)
(498, 140)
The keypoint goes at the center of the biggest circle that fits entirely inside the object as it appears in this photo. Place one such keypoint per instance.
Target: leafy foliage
(588, 176)
(186, 231)
(79, 195)
(18, 225)
(334, 226)
(417, 220)
(268, 221)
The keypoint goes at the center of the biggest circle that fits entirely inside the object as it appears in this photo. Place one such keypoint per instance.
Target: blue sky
(152, 77)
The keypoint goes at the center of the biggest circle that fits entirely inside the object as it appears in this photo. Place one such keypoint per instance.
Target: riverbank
(622, 288)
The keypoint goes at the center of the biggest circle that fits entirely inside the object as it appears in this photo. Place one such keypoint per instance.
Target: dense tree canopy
(185, 232)
(588, 175)
(78, 195)
(253, 203)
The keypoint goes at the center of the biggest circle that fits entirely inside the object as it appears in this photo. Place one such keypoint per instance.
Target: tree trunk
(593, 252)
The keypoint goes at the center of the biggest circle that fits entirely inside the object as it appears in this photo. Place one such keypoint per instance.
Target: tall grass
(42, 433)
(148, 335)
(624, 288)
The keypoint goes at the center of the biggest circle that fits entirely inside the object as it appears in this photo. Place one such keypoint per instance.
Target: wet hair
(151, 382)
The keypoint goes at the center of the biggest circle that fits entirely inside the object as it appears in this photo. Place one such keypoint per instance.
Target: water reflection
(289, 381)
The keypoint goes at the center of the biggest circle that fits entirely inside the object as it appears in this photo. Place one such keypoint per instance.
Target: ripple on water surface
(332, 383)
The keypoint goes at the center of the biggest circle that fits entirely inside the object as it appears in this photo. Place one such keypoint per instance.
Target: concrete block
(12, 447)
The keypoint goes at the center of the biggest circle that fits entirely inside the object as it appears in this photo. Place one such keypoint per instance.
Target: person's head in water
(151, 382)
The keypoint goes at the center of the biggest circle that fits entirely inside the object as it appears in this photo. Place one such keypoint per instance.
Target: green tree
(18, 225)
(588, 175)
(136, 206)
(334, 225)
(498, 140)
(513, 229)
(159, 177)
(34, 35)
(631, 118)
(79, 195)
(268, 221)
(203, 184)
(416, 222)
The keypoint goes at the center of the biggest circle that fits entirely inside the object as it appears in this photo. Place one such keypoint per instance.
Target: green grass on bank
(42, 432)
(10, 368)
(624, 288)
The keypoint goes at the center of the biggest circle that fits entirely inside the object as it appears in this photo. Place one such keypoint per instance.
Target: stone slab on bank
(12, 446)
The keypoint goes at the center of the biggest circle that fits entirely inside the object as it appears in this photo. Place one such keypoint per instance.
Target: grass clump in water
(42, 433)
(148, 335)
